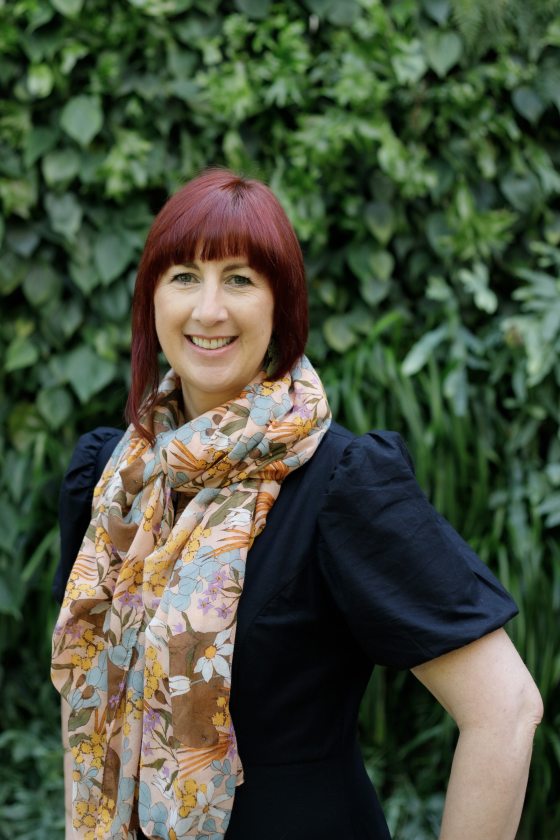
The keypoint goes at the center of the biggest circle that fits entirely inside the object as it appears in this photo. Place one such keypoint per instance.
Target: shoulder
(91, 453)
(376, 456)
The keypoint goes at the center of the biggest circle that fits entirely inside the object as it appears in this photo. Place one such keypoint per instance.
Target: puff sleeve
(92, 452)
(407, 584)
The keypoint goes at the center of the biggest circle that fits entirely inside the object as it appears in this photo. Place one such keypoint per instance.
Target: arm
(490, 694)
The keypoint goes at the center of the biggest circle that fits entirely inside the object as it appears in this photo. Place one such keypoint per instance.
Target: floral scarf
(143, 647)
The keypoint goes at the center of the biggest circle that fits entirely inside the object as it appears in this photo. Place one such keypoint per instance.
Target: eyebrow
(230, 267)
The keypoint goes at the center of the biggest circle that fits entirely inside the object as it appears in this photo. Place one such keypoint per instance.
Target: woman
(193, 552)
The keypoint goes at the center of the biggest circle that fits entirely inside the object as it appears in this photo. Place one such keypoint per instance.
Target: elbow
(532, 705)
(523, 713)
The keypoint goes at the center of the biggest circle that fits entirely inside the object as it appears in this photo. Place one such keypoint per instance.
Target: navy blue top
(354, 568)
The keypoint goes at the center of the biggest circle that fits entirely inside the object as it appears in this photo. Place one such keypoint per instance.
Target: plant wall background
(416, 148)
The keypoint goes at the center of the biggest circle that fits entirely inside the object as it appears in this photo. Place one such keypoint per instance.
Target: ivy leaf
(82, 119)
(22, 240)
(255, 9)
(41, 284)
(86, 372)
(522, 191)
(443, 51)
(40, 81)
(380, 219)
(68, 8)
(38, 141)
(112, 253)
(438, 10)
(528, 103)
(55, 406)
(338, 333)
(21, 353)
(409, 63)
(60, 167)
(64, 213)
(84, 276)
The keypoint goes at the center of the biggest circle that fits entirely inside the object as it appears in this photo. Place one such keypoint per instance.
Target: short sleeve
(92, 452)
(409, 587)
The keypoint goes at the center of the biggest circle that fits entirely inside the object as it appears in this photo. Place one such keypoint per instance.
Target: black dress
(354, 568)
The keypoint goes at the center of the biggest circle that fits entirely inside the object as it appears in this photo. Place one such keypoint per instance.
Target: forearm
(487, 783)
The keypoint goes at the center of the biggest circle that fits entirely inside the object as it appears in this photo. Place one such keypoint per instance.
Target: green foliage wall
(416, 148)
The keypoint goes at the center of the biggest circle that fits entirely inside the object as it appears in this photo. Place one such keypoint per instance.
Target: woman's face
(214, 323)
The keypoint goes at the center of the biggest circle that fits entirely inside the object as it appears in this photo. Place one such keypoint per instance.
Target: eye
(239, 280)
(184, 278)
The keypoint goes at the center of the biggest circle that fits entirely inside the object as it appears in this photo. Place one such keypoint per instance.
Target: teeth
(211, 343)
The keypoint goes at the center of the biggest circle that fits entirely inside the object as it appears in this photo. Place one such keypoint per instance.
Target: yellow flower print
(102, 539)
(148, 516)
(186, 794)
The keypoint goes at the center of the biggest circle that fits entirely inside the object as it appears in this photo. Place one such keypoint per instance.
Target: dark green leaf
(521, 191)
(68, 8)
(65, 213)
(55, 406)
(60, 167)
(380, 219)
(256, 9)
(41, 284)
(438, 10)
(22, 240)
(21, 353)
(86, 372)
(443, 50)
(338, 333)
(112, 253)
(82, 118)
(38, 141)
(84, 276)
(528, 102)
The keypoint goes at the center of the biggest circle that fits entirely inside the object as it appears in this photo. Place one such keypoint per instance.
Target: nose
(209, 308)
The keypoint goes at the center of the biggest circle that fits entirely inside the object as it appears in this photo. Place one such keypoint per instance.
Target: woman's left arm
(490, 694)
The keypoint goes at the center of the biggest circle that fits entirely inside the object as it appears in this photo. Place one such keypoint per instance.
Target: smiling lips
(210, 343)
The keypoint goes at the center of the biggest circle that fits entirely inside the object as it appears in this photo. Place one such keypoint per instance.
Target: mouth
(211, 343)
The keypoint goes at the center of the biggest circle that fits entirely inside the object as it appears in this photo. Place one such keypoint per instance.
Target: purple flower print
(151, 720)
(74, 631)
(223, 611)
(213, 591)
(114, 700)
(304, 411)
(129, 599)
(232, 743)
(204, 604)
(218, 578)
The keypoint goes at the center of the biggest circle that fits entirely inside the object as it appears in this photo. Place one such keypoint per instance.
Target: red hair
(216, 215)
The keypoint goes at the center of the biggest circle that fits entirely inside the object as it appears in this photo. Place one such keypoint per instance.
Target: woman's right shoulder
(92, 451)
